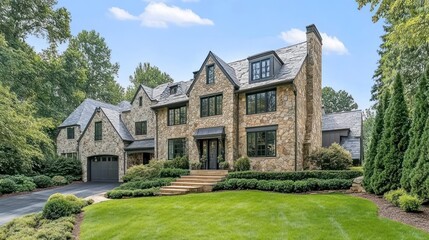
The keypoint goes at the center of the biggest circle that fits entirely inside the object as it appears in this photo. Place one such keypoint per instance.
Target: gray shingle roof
(83, 113)
(346, 120)
(228, 69)
(165, 98)
(141, 144)
(115, 118)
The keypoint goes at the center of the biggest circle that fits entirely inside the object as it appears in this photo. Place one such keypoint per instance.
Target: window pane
(219, 104)
(144, 130)
(182, 115)
(177, 116)
(98, 131)
(255, 71)
(212, 106)
(70, 133)
(260, 144)
(251, 103)
(271, 101)
(271, 143)
(261, 102)
(204, 107)
(210, 74)
(170, 117)
(251, 144)
(170, 149)
(265, 68)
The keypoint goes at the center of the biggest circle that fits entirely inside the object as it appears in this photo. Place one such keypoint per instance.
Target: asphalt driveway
(16, 206)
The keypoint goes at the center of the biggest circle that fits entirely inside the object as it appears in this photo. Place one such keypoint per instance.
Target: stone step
(209, 172)
(173, 191)
(217, 178)
(198, 180)
(184, 183)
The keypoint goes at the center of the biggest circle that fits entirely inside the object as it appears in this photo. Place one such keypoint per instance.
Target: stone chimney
(313, 135)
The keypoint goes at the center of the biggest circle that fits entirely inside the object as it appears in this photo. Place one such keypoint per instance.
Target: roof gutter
(265, 86)
(169, 104)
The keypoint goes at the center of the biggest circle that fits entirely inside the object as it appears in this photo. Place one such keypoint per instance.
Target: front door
(212, 156)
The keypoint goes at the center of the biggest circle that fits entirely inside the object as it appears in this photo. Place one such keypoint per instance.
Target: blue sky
(176, 35)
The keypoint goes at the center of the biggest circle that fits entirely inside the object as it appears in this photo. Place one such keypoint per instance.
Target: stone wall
(300, 84)
(284, 117)
(200, 88)
(111, 144)
(65, 145)
(166, 132)
(138, 114)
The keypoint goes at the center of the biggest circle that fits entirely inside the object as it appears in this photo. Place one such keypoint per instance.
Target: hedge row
(173, 172)
(286, 186)
(295, 176)
(118, 194)
(145, 184)
(21, 183)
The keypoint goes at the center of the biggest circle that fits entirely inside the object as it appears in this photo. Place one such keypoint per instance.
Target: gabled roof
(117, 123)
(83, 113)
(141, 144)
(343, 120)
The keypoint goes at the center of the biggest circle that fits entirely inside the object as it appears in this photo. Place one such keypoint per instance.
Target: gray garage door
(104, 169)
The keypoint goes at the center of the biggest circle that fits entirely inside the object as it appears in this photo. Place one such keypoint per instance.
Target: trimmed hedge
(42, 181)
(286, 186)
(63, 205)
(295, 176)
(173, 172)
(7, 186)
(145, 184)
(118, 194)
(400, 198)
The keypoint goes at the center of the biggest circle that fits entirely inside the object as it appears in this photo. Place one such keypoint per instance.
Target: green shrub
(333, 158)
(195, 165)
(7, 186)
(409, 203)
(62, 205)
(118, 194)
(173, 173)
(24, 184)
(178, 162)
(224, 165)
(394, 195)
(143, 172)
(294, 176)
(145, 192)
(145, 184)
(59, 180)
(242, 164)
(287, 186)
(42, 181)
(301, 186)
(63, 166)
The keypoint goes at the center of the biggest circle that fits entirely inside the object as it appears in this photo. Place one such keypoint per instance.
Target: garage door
(104, 169)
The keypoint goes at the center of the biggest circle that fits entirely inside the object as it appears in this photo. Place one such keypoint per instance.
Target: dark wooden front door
(213, 151)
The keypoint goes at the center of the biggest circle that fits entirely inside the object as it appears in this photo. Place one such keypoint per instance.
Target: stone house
(344, 128)
(266, 107)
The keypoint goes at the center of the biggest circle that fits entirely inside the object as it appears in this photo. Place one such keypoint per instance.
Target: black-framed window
(261, 144)
(98, 131)
(141, 128)
(261, 102)
(70, 133)
(261, 69)
(176, 147)
(70, 155)
(210, 74)
(173, 90)
(211, 106)
(176, 116)
(140, 101)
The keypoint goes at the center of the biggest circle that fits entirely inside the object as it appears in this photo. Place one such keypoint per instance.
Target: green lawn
(242, 215)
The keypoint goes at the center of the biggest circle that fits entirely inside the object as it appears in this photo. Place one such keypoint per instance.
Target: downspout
(296, 128)
(156, 132)
(237, 130)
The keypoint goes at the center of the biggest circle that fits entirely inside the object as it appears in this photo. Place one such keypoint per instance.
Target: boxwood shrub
(409, 203)
(62, 205)
(42, 181)
(173, 172)
(394, 195)
(118, 194)
(24, 183)
(295, 176)
(7, 186)
(59, 180)
(286, 186)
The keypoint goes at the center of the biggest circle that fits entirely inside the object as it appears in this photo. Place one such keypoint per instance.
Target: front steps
(197, 181)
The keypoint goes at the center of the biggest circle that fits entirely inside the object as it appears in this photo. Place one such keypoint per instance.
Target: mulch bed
(76, 229)
(35, 190)
(385, 209)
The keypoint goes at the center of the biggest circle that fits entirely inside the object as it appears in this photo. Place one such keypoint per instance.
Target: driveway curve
(16, 206)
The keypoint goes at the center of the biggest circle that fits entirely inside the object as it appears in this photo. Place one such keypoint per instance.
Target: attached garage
(103, 169)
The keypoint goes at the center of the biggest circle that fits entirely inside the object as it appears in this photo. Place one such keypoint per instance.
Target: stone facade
(140, 113)
(111, 144)
(65, 145)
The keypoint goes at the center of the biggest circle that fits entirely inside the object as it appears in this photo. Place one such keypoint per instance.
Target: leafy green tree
(147, 75)
(94, 55)
(18, 19)
(377, 130)
(420, 174)
(393, 143)
(340, 101)
(421, 107)
(22, 135)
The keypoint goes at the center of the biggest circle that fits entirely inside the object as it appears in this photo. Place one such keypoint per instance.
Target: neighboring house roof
(116, 121)
(83, 113)
(346, 120)
(165, 98)
(141, 144)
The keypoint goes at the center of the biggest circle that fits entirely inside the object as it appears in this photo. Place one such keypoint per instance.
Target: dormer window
(173, 90)
(210, 74)
(261, 69)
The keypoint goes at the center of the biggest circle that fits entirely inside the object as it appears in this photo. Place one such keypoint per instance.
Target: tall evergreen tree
(393, 144)
(420, 174)
(421, 106)
(375, 141)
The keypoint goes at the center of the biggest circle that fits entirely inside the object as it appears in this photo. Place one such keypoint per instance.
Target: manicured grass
(242, 215)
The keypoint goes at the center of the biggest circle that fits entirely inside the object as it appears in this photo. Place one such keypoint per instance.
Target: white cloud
(161, 15)
(121, 14)
(331, 44)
